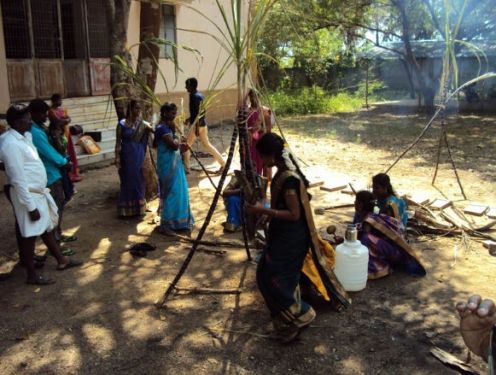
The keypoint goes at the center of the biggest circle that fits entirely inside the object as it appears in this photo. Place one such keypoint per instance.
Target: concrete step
(104, 155)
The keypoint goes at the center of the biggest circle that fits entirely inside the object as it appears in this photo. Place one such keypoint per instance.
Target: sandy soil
(101, 318)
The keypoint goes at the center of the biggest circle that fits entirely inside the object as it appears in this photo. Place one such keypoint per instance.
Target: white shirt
(23, 165)
(28, 179)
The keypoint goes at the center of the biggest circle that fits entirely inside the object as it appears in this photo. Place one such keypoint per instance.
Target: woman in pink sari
(259, 122)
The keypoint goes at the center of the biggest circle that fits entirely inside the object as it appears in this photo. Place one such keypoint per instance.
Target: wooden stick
(211, 251)
(450, 360)
(417, 140)
(215, 243)
(346, 205)
(197, 290)
(201, 166)
(429, 220)
(204, 226)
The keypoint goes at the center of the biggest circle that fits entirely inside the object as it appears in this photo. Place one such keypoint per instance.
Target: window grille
(98, 31)
(44, 17)
(16, 29)
(168, 30)
(72, 29)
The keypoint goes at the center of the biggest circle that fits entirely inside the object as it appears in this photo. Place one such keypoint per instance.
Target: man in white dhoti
(34, 208)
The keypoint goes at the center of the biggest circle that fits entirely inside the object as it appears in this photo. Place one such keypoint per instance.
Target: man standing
(34, 208)
(52, 160)
(198, 125)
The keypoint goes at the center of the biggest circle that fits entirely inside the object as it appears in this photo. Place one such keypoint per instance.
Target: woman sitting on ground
(382, 235)
(387, 200)
(291, 234)
(175, 212)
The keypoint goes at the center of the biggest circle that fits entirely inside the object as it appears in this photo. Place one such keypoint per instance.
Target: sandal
(142, 247)
(40, 258)
(68, 252)
(40, 280)
(68, 238)
(70, 264)
(140, 253)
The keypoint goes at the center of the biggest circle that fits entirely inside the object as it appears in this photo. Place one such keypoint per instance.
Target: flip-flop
(40, 258)
(68, 239)
(143, 246)
(40, 280)
(138, 253)
(72, 263)
(68, 252)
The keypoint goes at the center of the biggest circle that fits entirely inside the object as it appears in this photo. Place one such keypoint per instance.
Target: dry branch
(197, 290)
(215, 243)
(451, 361)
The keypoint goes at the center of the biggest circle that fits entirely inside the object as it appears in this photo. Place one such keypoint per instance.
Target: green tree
(311, 36)
(405, 21)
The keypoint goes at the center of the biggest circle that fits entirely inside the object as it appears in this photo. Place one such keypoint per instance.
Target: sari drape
(287, 255)
(175, 212)
(133, 148)
(388, 250)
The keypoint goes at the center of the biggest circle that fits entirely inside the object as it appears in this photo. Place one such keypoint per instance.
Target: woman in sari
(383, 236)
(259, 122)
(175, 212)
(387, 200)
(57, 112)
(291, 234)
(130, 148)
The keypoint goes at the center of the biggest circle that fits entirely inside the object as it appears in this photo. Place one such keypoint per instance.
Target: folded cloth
(44, 204)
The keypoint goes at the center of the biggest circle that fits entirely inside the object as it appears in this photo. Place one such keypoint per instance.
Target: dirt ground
(101, 318)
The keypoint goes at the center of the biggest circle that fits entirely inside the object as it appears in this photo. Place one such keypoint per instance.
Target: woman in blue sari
(130, 148)
(387, 200)
(175, 212)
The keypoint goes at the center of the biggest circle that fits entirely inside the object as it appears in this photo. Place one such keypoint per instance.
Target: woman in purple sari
(130, 148)
(383, 236)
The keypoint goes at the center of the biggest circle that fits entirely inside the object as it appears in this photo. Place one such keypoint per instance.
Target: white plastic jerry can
(352, 259)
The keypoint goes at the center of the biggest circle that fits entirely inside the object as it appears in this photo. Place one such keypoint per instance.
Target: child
(232, 201)
(59, 142)
(57, 112)
(387, 200)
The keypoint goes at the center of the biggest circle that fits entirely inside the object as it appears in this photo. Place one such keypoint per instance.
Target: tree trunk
(425, 83)
(149, 53)
(411, 85)
(147, 69)
(118, 16)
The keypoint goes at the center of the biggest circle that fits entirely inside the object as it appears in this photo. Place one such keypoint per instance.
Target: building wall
(4, 83)
(203, 65)
(222, 109)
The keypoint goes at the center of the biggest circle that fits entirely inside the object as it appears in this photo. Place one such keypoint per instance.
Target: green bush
(311, 100)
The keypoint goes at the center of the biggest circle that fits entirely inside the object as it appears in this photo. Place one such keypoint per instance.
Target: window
(98, 31)
(16, 29)
(72, 29)
(44, 15)
(168, 30)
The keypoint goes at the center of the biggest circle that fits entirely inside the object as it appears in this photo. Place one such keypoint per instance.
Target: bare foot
(477, 319)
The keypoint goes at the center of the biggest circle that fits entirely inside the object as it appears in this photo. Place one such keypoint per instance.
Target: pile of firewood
(449, 221)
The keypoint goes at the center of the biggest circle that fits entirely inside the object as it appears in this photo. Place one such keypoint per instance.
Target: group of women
(295, 258)
(133, 134)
